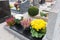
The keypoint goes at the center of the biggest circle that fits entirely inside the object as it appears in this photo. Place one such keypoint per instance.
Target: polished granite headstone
(4, 10)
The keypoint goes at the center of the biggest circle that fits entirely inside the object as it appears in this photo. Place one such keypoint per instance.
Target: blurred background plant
(11, 6)
(33, 11)
(17, 4)
(43, 14)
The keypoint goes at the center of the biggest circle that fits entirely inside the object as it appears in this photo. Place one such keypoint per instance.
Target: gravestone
(56, 35)
(52, 19)
(36, 3)
(4, 10)
(24, 6)
(53, 27)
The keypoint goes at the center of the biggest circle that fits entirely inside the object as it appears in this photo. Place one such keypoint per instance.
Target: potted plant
(18, 18)
(43, 14)
(33, 11)
(10, 21)
(38, 29)
(26, 25)
(15, 21)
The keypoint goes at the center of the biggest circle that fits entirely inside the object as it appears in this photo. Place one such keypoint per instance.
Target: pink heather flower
(26, 22)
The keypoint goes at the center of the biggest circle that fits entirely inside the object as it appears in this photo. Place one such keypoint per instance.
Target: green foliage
(42, 14)
(39, 34)
(17, 21)
(33, 11)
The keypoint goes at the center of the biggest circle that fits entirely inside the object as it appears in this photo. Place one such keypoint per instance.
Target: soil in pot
(27, 31)
(18, 26)
(34, 38)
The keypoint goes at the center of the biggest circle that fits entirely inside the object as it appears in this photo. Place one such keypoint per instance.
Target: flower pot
(37, 38)
(27, 31)
(34, 38)
(18, 26)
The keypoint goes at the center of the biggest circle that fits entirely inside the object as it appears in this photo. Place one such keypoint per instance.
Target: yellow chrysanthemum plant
(38, 28)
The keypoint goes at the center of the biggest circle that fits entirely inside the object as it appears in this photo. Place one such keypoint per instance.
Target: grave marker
(36, 3)
(24, 6)
(53, 28)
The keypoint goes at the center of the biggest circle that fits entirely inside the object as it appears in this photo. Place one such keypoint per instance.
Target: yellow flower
(38, 24)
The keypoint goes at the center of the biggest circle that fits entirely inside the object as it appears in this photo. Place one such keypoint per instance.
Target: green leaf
(40, 35)
(17, 21)
(33, 35)
(36, 34)
(43, 30)
(42, 14)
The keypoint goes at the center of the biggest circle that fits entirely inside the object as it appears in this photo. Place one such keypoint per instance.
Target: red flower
(10, 21)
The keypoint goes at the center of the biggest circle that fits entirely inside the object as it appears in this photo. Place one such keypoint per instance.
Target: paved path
(5, 35)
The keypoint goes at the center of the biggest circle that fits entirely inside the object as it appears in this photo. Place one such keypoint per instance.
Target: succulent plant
(33, 11)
